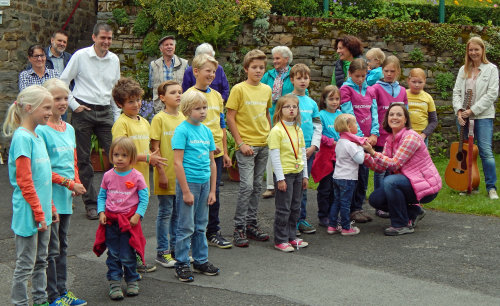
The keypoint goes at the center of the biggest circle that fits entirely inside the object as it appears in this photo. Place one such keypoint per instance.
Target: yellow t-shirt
(419, 107)
(278, 139)
(215, 108)
(138, 131)
(162, 129)
(251, 103)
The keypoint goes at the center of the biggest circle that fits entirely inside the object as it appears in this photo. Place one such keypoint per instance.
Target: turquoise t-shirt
(197, 142)
(61, 148)
(24, 143)
(328, 120)
(308, 111)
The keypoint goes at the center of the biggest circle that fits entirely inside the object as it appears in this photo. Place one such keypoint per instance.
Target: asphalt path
(451, 259)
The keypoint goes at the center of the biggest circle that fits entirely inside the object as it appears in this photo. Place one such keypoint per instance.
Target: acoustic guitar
(462, 173)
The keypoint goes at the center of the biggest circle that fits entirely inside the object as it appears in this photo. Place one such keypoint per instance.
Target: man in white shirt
(95, 71)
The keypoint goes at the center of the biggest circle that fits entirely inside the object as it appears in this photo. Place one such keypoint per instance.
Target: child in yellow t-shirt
(288, 157)
(162, 131)
(248, 120)
(421, 106)
(127, 94)
(204, 67)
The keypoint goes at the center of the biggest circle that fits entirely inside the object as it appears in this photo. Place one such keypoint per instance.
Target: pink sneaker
(285, 247)
(349, 232)
(298, 243)
(333, 230)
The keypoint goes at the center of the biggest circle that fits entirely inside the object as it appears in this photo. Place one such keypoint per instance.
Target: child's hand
(282, 185)
(163, 182)
(102, 218)
(211, 198)
(155, 159)
(135, 219)
(79, 189)
(217, 150)
(55, 217)
(188, 198)
(372, 140)
(227, 161)
(423, 136)
(310, 151)
(246, 150)
(42, 226)
(368, 148)
(305, 183)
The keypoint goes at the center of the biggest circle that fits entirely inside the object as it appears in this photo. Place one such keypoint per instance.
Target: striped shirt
(29, 77)
(381, 161)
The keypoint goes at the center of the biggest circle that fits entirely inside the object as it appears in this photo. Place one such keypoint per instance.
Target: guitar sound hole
(460, 156)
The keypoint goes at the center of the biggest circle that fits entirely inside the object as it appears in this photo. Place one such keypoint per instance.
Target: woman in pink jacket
(414, 178)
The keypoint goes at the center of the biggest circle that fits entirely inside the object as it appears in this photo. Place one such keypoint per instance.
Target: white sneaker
(493, 194)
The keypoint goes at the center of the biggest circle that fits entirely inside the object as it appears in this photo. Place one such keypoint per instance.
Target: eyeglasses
(39, 56)
(290, 106)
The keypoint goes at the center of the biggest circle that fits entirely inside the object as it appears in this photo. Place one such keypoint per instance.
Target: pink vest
(419, 169)
(384, 100)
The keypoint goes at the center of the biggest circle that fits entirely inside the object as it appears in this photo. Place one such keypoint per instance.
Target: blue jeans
(213, 210)
(56, 270)
(166, 223)
(121, 256)
(359, 195)
(378, 177)
(303, 210)
(191, 229)
(343, 191)
(483, 136)
(396, 196)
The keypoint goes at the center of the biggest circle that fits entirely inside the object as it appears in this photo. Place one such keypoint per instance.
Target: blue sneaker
(72, 300)
(304, 227)
(57, 302)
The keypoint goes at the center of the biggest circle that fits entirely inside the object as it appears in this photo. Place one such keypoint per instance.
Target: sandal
(132, 288)
(115, 290)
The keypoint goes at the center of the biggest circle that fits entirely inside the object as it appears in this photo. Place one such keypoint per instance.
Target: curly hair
(126, 88)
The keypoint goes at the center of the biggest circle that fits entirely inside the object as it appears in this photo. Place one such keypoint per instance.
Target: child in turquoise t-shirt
(311, 126)
(31, 176)
(59, 138)
(195, 170)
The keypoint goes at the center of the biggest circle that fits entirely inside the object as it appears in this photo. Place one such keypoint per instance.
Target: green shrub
(150, 44)
(416, 55)
(444, 82)
(142, 23)
(215, 21)
(309, 8)
(120, 16)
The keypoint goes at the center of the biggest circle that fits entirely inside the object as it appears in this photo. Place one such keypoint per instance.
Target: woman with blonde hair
(480, 76)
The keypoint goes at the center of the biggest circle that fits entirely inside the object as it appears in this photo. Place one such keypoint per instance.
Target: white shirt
(349, 156)
(94, 78)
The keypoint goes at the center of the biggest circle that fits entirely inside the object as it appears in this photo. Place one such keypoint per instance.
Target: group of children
(186, 144)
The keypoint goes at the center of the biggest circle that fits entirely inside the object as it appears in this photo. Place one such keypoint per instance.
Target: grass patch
(449, 200)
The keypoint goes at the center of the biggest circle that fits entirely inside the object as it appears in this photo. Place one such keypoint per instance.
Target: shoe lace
(69, 297)
(139, 260)
(306, 223)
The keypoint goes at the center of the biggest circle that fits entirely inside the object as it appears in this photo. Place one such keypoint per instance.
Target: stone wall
(26, 22)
